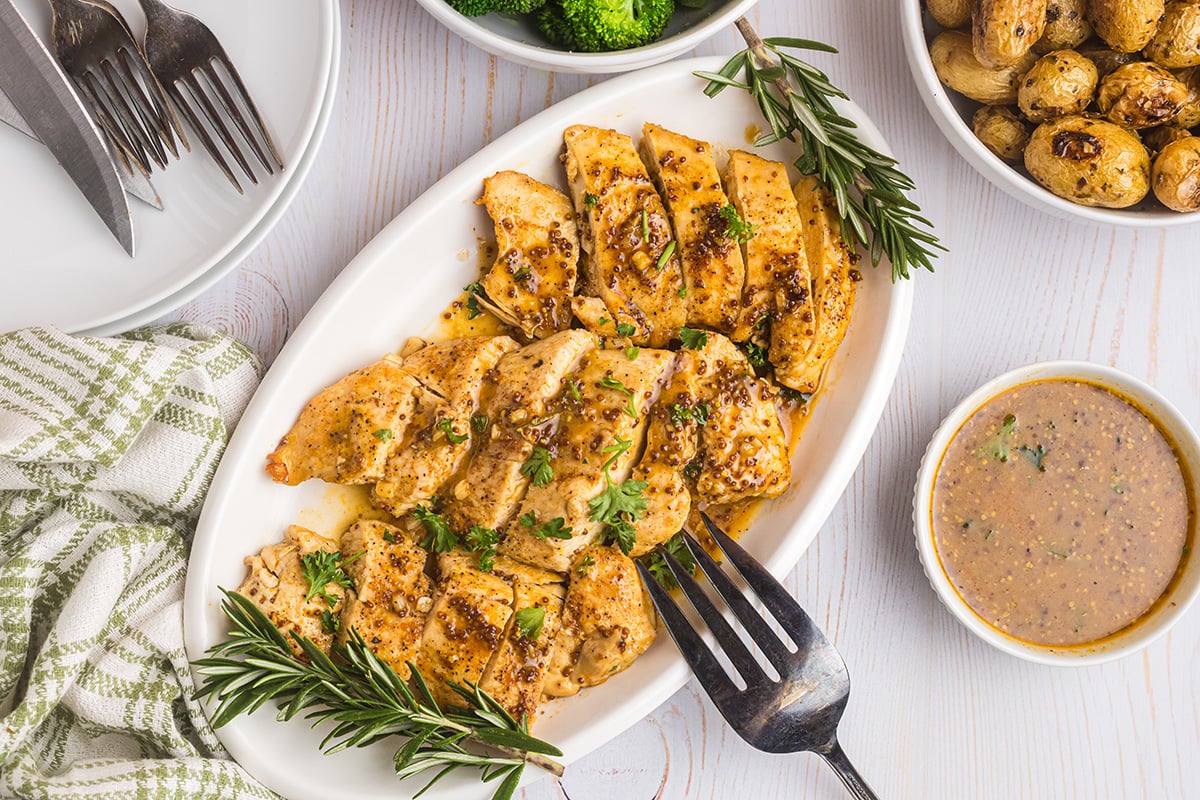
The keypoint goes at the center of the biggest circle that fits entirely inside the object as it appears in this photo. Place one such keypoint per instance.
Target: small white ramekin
(1183, 591)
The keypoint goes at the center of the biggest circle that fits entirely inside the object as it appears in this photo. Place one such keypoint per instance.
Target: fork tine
(134, 119)
(218, 124)
(695, 651)
(114, 126)
(205, 140)
(232, 109)
(775, 650)
(157, 114)
(772, 593)
(739, 655)
(227, 65)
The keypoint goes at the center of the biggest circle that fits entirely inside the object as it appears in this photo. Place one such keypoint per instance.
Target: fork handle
(835, 758)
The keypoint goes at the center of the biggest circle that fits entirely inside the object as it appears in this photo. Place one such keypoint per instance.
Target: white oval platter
(395, 288)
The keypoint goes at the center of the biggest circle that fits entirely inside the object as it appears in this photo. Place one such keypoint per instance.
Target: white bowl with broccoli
(586, 35)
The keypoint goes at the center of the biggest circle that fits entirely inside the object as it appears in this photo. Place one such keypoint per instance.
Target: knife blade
(135, 183)
(52, 110)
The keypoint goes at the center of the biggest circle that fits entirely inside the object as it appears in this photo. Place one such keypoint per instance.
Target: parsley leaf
(625, 329)
(383, 434)
(793, 396)
(632, 353)
(321, 568)
(473, 309)
(1035, 455)
(439, 538)
(693, 338)
(692, 470)
(446, 426)
(529, 519)
(645, 226)
(479, 422)
(617, 450)
(755, 354)
(603, 321)
(529, 621)
(657, 564)
(573, 390)
(680, 414)
(523, 274)
(556, 528)
(667, 252)
(483, 541)
(537, 467)
(609, 382)
(590, 200)
(736, 228)
(329, 622)
(618, 507)
(701, 413)
(588, 561)
(389, 537)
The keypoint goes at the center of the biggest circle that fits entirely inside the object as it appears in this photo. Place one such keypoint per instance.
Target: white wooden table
(934, 713)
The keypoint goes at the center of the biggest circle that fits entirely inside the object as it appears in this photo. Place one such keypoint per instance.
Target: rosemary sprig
(796, 100)
(365, 701)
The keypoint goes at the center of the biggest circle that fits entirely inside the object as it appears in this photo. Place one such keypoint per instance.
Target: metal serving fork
(800, 710)
(95, 47)
(188, 60)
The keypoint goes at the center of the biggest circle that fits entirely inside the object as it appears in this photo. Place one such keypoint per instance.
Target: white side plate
(394, 288)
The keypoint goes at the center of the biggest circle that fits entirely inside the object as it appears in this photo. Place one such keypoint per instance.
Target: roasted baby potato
(1060, 83)
(956, 67)
(1176, 43)
(950, 13)
(1104, 57)
(1141, 95)
(1189, 112)
(1176, 175)
(1126, 25)
(1156, 139)
(1002, 31)
(1066, 26)
(1002, 132)
(1089, 161)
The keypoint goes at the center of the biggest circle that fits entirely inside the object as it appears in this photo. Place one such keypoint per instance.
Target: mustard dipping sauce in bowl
(1056, 513)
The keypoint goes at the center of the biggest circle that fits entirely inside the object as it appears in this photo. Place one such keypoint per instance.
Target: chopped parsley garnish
(657, 564)
(556, 528)
(603, 321)
(632, 353)
(609, 382)
(573, 390)
(446, 426)
(537, 467)
(483, 541)
(523, 274)
(389, 537)
(667, 252)
(736, 228)
(529, 519)
(438, 536)
(383, 434)
(1035, 455)
(625, 329)
(616, 450)
(755, 354)
(321, 568)
(529, 621)
(590, 200)
(793, 396)
(682, 291)
(588, 561)
(692, 470)
(479, 422)
(758, 326)
(329, 622)
(680, 414)
(692, 338)
(620, 504)
(645, 226)
(473, 309)
(997, 446)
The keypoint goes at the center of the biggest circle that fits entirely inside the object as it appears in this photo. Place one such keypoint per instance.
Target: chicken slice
(276, 584)
(671, 439)
(518, 667)
(614, 395)
(466, 624)
(743, 450)
(434, 446)
(687, 178)
(624, 232)
(834, 278)
(346, 433)
(532, 281)
(777, 284)
(607, 622)
(517, 421)
(391, 595)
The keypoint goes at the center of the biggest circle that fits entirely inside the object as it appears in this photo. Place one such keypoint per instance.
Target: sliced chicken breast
(533, 279)
(686, 175)
(625, 234)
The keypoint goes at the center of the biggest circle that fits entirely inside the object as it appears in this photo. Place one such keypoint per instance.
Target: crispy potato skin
(1060, 83)
(1066, 26)
(1002, 132)
(1176, 42)
(950, 13)
(1089, 161)
(1176, 175)
(956, 67)
(1141, 95)
(1189, 112)
(1125, 25)
(1003, 31)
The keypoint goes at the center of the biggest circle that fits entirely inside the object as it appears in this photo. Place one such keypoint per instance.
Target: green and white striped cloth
(107, 447)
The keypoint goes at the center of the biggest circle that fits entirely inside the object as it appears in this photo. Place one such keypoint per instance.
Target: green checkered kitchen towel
(107, 447)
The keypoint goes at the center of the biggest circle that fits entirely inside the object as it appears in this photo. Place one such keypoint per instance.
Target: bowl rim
(952, 125)
(588, 63)
(1185, 588)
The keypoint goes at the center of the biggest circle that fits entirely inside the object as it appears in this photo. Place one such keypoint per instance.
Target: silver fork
(800, 710)
(95, 47)
(188, 60)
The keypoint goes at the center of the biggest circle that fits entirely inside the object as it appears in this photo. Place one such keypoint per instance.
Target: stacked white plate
(61, 265)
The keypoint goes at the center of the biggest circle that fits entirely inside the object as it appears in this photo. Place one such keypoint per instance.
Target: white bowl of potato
(1036, 95)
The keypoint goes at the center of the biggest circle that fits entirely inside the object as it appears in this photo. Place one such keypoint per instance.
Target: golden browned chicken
(743, 449)
(346, 433)
(434, 446)
(602, 417)
(276, 584)
(834, 277)
(517, 671)
(777, 285)
(392, 594)
(687, 178)
(516, 420)
(533, 279)
(607, 622)
(625, 235)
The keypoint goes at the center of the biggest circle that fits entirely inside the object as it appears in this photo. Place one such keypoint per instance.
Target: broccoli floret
(473, 8)
(596, 25)
(554, 26)
(518, 6)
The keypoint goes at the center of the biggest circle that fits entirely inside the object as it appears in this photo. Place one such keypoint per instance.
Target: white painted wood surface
(934, 713)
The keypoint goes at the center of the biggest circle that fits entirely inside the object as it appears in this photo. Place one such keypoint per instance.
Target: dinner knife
(135, 183)
(49, 105)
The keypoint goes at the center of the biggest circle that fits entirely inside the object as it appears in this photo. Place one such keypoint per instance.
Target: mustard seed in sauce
(1061, 512)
